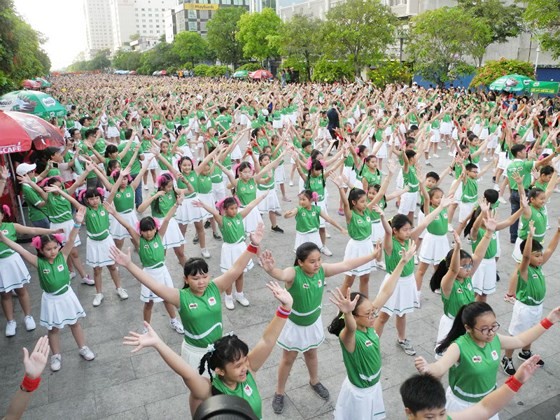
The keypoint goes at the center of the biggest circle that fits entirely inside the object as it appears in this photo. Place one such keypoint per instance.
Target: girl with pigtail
(361, 396)
(315, 181)
(199, 301)
(229, 218)
(161, 203)
(308, 216)
(233, 364)
(59, 304)
(99, 242)
(148, 234)
(14, 275)
(453, 277)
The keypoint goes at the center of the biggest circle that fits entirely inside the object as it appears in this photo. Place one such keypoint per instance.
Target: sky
(62, 22)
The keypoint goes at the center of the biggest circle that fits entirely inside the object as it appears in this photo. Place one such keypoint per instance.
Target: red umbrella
(261, 74)
(19, 130)
(31, 84)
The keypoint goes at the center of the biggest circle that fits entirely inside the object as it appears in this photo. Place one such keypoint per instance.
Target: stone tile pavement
(121, 385)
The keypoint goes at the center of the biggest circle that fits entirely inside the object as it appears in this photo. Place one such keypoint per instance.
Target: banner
(200, 6)
(544, 87)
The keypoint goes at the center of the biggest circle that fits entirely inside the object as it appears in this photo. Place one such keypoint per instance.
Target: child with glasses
(472, 353)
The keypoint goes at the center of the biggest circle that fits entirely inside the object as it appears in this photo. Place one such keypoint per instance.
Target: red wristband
(281, 315)
(30, 385)
(283, 312)
(545, 322)
(513, 383)
(252, 249)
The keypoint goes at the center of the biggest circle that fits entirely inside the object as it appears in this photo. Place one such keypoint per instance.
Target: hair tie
(220, 205)
(59, 237)
(36, 242)
(101, 191)
(81, 195)
(309, 164)
(156, 222)
(160, 180)
(115, 174)
(210, 349)
(6, 210)
(315, 196)
(323, 163)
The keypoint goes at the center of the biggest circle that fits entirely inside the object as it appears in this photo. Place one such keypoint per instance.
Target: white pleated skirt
(97, 252)
(61, 310)
(207, 199)
(445, 324)
(404, 297)
(454, 404)
(173, 237)
(162, 276)
(484, 278)
(67, 228)
(308, 237)
(13, 273)
(230, 253)
(193, 355)
(187, 213)
(252, 220)
(297, 338)
(117, 230)
(359, 403)
(434, 248)
(355, 249)
(270, 203)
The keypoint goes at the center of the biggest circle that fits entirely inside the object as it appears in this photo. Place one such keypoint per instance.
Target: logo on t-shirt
(118, 195)
(102, 213)
(193, 305)
(535, 276)
(156, 245)
(494, 355)
(5, 232)
(477, 359)
(445, 215)
(60, 268)
(128, 195)
(248, 390)
(305, 286)
(212, 301)
(459, 291)
(319, 283)
(469, 286)
(368, 343)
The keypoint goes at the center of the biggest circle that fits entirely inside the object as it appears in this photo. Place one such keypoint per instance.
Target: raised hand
(409, 253)
(80, 215)
(554, 315)
(4, 174)
(35, 363)
(446, 202)
(344, 303)
(257, 236)
(421, 365)
(457, 239)
(120, 257)
(531, 228)
(281, 294)
(140, 341)
(527, 368)
(266, 259)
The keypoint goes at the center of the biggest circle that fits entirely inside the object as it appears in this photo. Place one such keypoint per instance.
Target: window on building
(192, 14)
(228, 2)
(204, 14)
(193, 26)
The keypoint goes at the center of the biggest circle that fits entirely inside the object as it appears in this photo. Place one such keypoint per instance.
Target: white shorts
(313, 237)
(516, 254)
(355, 249)
(208, 199)
(408, 203)
(61, 310)
(230, 253)
(193, 355)
(421, 216)
(112, 132)
(162, 276)
(446, 128)
(454, 404)
(445, 324)
(13, 273)
(153, 163)
(117, 230)
(484, 278)
(359, 403)
(219, 191)
(97, 252)
(323, 205)
(382, 151)
(434, 136)
(296, 338)
(377, 232)
(524, 317)
(458, 194)
(465, 211)
(67, 228)
(503, 161)
(434, 248)
(403, 299)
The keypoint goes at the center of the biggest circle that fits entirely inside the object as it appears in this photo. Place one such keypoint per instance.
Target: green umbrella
(241, 74)
(44, 82)
(32, 102)
(511, 83)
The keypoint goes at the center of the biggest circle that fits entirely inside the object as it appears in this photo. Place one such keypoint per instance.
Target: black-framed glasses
(488, 330)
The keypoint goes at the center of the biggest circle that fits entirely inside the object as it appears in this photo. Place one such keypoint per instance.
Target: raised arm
(453, 270)
(286, 275)
(526, 257)
(346, 306)
(445, 202)
(532, 334)
(552, 245)
(130, 229)
(78, 220)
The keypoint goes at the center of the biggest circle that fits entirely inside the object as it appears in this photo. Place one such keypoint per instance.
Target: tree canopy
(543, 17)
(222, 35)
(257, 32)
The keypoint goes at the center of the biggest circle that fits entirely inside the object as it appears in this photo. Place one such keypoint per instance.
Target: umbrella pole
(13, 191)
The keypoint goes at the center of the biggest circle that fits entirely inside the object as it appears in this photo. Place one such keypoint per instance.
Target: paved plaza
(121, 385)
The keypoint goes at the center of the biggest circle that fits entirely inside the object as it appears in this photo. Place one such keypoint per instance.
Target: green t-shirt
(307, 293)
(461, 294)
(136, 165)
(151, 253)
(359, 227)
(470, 191)
(315, 184)
(33, 199)
(411, 179)
(439, 225)
(246, 191)
(392, 260)
(363, 365)
(492, 250)
(201, 315)
(307, 221)
(97, 223)
(58, 208)
(53, 278)
(166, 202)
(9, 231)
(232, 229)
(524, 168)
(540, 219)
(124, 200)
(532, 291)
(246, 390)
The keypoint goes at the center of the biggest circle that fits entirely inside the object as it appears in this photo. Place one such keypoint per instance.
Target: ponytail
(470, 224)
(338, 323)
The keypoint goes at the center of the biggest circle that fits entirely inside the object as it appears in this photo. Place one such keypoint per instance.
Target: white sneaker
(122, 293)
(418, 303)
(11, 328)
(428, 162)
(415, 260)
(435, 155)
(176, 325)
(56, 362)
(72, 274)
(97, 299)
(502, 200)
(496, 187)
(205, 253)
(484, 159)
(29, 323)
(449, 228)
(88, 280)
(291, 183)
(86, 353)
(381, 265)
(327, 235)
(240, 297)
(326, 251)
(451, 154)
(229, 302)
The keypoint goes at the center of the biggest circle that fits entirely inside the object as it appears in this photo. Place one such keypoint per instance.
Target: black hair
(410, 153)
(422, 392)
(354, 195)
(474, 215)
(228, 349)
(128, 133)
(470, 166)
(147, 223)
(242, 166)
(516, 148)
(399, 221)
(49, 152)
(316, 165)
(228, 202)
(305, 143)
(315, 153)
(467, 315)
(180, 162)
(112, 165)
(433, 175)
(90, 193)
(262, 156)
(337, 324)
(491, 195)
(45, 239)
(163, 180)
(90, 132)
(536, 246)
(303, 251)
(193, 267)
(547, 170)
(443, 268)
(367, 159)
(534, 193)
(111, 148)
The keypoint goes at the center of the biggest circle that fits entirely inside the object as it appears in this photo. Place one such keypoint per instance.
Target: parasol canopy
(511, 83)
(32, 102)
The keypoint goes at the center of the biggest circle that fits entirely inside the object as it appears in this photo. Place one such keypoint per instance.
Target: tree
(498, 68)
(190, 47)
(543, 16)
(127, 60)
(160, 57)
(299, 39)
(504, 21)
(440, 51)
(256, 31)
(222, 31)
(358, 30)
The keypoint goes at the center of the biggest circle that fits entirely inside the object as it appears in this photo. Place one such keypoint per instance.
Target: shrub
(494, 69)
(390, 72)
(329, 71)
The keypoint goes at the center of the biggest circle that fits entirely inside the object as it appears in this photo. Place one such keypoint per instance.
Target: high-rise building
(99, 28)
